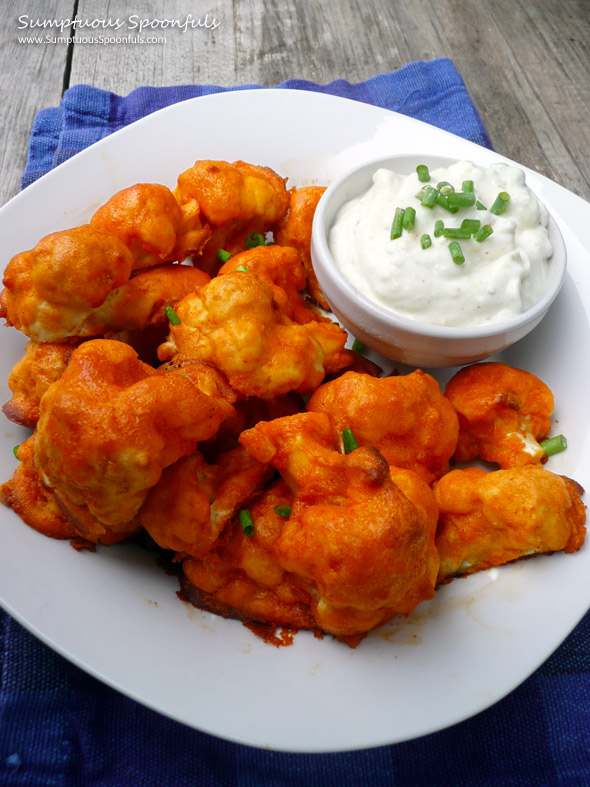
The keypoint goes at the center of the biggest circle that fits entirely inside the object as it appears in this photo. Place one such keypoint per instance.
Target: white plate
(115, 613)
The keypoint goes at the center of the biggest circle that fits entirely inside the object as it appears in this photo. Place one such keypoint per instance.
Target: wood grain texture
(526, 64)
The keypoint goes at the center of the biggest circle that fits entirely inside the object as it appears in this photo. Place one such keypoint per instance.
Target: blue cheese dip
(501, 276)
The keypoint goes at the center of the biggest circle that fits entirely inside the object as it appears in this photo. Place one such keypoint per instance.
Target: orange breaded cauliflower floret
(406, 417)
(490, 518)
(503, 413)
(235, 323)
(360, 547)
(111, 424)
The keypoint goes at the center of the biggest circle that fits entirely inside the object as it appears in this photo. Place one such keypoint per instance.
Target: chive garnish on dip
(409, 218)
(439, 227)
(460, 233)
(554, 445)
(500, 203)
(471, 224)
(461, 199)
(173, 318)
(246, 522)
(483, 233)
(284, 511)
(467, 185)
(423, 173)
(429, 197)
(425, 240)
(456, 253)
(397, 224)
(349, 440)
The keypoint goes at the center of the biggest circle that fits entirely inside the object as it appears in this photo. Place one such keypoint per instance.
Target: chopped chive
(254, 239)
(456, 253)
(439, 227)
(483, 233)
(461, 199)
(445, 187)
(182, 374)
(246, 522)
(429, 198)
(467, 185)
(471, 224)
(223, 255)
(479, 205)
(459, 233)
(409, 218)
(242, 268)
(348, 440)
(15, 451)
(173, 318)
(500, 203)
(358, 347)
(425, 241)
(284, 511)
(397, 224)
(423, 173)
(422, 192)
(554, 445)
(443, 201)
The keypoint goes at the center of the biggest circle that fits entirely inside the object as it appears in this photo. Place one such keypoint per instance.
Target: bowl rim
(319, 246)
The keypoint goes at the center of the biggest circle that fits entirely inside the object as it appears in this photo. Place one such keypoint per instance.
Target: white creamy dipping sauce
(500, 277)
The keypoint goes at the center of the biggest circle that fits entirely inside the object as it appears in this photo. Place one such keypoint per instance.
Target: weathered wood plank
(31, 77)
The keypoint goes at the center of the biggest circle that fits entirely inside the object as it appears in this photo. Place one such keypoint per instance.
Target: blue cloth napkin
(59, 726)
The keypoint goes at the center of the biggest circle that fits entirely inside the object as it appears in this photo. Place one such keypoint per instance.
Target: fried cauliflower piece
(295, 230)
(236, 200)
(406, 417)
(111, 424)
(235, 323)
(356, 543)
(193, 501)
(147, 218)
(91, 303)
(490, 518)
(243, 578)
(503, 413)
(40, 366)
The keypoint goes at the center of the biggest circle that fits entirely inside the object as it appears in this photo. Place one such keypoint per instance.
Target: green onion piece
(425, 241)
(483, 233)
(422, 192)
(471, 224)
(349, 440)
(429, 198)
(397, 224)
(182, 374)
(409, 218)
(461, 199)
(246, 522)
(242, 268)
(254, 239)
(500, 203)
(467, 185)
(438, 228)
(173, 318)
(358, 347)
(458, 233)
(479, 205)
(554, 445)
(223, 255)
(445, 187)
(15, 451)
(456, 253)
(284, 511)
(443, 201)
(423, 173)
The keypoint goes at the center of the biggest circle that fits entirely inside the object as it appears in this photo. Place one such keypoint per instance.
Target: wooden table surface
(526, 63)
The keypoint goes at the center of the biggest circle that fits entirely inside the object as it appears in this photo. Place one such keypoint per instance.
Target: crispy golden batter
(490, 518)
(193, 501)
(503, 413)
(41, 365)
(36, 505)
(406, 417)
(295, 230)
(234, 323)
(149, 221)
(111, 424)
(354, 540)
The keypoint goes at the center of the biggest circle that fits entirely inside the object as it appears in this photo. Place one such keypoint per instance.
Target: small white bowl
(400, 338)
